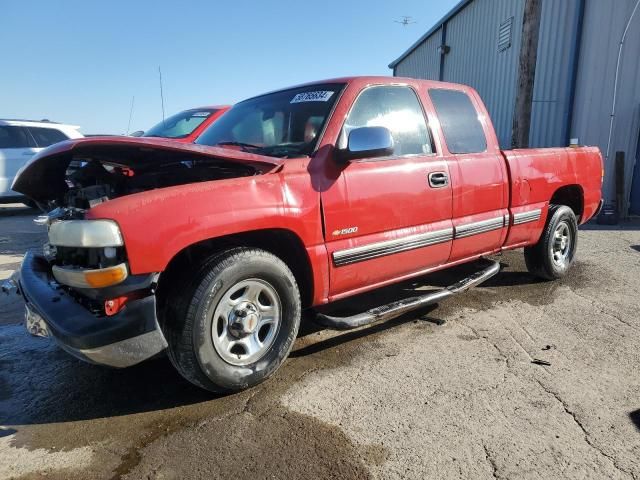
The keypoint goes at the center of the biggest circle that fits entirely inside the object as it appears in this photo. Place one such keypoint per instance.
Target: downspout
(615, 82)
(575, 63)
(443, 43)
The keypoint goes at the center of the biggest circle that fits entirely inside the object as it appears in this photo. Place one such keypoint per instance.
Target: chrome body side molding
(411, 242)
(380, 249)
(525, 217)
(483, 226)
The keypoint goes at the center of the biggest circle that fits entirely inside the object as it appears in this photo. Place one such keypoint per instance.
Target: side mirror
(367, 142)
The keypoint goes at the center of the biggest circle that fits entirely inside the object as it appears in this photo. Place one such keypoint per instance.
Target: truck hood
(43, 177)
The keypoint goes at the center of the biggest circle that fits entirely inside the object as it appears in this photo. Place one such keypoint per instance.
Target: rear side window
(396, 108)
(459, 120)
(15, 137)
(47, 136)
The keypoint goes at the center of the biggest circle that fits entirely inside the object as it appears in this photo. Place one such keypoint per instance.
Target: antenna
(133, 99)
(161, 94)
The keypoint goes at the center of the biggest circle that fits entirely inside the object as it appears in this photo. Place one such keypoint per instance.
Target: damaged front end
(80, 174)
(80, 289)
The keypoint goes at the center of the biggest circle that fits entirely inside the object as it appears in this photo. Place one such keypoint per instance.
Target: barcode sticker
(319, 96)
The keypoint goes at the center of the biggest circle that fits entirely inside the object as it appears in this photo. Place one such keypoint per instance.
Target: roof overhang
(454, 11)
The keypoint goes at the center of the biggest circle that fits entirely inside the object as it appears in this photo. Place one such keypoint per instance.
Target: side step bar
(395, 309)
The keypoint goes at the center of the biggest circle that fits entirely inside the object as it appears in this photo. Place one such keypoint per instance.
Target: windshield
(181, 124)
(282, 124)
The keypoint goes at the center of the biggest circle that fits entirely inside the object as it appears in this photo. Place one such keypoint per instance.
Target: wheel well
(571, 196)
(284, 244)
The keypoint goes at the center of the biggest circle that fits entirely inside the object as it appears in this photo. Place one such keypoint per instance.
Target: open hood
(44, 178)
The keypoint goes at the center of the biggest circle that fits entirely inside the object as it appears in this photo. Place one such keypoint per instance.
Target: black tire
(540, 258)
(189, 322)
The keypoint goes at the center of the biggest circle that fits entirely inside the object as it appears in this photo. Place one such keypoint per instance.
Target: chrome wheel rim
(246, 321)
(561, 244)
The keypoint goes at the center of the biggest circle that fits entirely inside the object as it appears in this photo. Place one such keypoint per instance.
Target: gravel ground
(406, 399)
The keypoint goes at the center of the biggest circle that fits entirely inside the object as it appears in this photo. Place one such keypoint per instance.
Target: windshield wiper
(238, 144)
(285, 150)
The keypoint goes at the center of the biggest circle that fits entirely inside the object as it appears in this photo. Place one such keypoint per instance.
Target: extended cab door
(390, 217)
(478, 172)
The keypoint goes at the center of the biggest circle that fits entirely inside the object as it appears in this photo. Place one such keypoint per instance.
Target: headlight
(85, 233)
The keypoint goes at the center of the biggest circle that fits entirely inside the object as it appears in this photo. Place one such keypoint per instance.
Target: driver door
(390, 217)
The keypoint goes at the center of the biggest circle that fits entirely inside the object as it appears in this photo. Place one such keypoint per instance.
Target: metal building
(478, 43)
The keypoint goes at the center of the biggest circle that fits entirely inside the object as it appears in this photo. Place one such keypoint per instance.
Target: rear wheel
(554, 253)
(237, 321)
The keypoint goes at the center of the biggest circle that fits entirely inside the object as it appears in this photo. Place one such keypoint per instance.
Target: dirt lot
(406, 399)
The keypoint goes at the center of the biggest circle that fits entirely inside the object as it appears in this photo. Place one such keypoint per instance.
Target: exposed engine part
(92, 182)
(59, 213)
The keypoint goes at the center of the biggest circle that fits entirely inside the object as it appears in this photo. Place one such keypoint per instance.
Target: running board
(395, 309)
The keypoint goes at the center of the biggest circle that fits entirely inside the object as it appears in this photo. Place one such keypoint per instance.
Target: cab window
(458, 117)
(396, 108)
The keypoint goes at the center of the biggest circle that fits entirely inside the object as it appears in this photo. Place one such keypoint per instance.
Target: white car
(19, 141)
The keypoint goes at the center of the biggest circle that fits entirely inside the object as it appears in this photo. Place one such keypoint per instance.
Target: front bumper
(121, 340)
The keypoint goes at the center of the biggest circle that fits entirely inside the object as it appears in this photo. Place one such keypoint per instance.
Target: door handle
(28, 153)
(438, 179)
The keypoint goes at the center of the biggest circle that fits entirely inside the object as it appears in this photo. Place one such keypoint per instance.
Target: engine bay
(93, 181)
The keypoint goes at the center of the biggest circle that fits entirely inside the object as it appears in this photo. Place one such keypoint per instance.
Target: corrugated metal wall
(551, 91)
(424, 61)
(604, 24)
(474, 58)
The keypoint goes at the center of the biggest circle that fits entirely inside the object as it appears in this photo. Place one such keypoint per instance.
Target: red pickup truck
(291, 200)
(186, 126)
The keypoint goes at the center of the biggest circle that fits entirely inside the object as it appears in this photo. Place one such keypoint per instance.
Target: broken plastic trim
(395, 309)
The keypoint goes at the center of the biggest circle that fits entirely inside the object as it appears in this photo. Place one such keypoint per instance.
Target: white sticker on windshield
(201, 114)
(319, 96)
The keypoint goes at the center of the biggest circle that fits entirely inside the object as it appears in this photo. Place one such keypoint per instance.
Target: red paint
(113, 306)
(192, 137)
(385, 199)
(218, 110)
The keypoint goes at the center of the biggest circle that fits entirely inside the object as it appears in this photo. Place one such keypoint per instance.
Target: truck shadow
(16, 210)
(631, 224)
(635, 418)
(40, 384)
(404, 290)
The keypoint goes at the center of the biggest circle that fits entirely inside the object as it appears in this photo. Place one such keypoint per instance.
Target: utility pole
(526, 73)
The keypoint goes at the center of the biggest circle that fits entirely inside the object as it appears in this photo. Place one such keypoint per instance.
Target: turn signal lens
(106, 277)
(100, 278)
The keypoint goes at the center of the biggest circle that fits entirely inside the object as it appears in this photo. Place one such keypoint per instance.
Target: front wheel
(554, 253)
(237, 321)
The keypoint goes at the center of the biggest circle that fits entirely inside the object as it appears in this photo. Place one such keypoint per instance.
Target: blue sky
(81, 62)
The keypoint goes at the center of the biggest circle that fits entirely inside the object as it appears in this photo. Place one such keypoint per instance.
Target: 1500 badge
(345, 231)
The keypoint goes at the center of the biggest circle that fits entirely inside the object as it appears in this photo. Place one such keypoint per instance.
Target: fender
(183, 215)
